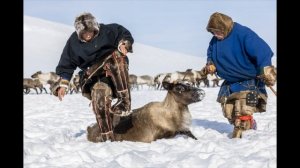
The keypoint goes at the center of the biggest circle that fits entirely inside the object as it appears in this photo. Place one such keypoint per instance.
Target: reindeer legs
(187, 133)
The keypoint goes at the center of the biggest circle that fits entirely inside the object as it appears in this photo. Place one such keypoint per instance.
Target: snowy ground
(55, 136)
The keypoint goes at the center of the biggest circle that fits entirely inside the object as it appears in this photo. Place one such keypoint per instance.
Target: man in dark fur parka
(240, 57)
(99, 50)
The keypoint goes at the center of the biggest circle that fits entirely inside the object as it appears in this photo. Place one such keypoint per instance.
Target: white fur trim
(63, 85)
(120, 43)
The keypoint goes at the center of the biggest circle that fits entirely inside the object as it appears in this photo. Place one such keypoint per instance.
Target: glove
(60, 83)
(268, 75)
(209, 68)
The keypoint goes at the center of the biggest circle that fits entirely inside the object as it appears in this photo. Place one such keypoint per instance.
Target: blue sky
(177, 25)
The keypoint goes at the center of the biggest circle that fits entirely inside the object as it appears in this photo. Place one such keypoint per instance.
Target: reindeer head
(184, 92)
(35, 75)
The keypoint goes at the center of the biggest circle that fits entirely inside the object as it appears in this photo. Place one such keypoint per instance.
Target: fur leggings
(101, 95)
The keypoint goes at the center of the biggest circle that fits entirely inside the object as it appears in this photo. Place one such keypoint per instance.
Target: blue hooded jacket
(239, 58)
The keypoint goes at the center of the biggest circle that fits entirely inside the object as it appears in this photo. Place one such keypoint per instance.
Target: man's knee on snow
(101, 94)
(93, 133)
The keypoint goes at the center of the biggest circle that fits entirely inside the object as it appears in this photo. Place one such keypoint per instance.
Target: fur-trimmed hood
(86, 22)
(220, 22)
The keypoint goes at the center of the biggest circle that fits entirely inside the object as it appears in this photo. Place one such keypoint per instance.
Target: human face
(218, 34)
(87, 36)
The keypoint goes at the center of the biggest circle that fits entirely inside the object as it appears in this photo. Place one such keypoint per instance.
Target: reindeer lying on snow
(155, 120)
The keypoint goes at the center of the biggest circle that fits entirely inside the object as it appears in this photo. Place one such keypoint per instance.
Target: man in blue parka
(243, 60)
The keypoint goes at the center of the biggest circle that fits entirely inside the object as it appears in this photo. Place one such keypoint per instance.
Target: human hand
(61, 92)
(210, 68)
(59, 88)
(268, 75)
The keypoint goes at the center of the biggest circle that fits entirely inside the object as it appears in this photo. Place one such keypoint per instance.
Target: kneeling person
(99, 50)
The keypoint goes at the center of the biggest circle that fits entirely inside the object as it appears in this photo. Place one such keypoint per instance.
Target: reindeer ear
(167, 85)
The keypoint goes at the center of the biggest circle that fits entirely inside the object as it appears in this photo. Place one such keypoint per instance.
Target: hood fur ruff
(220, 22)
(86, 22)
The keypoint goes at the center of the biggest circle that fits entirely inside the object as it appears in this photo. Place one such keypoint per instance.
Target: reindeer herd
(193, 77)
(39, 80)
(154, 120)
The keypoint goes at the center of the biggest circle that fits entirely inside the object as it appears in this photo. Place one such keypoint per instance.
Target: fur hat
(86, 22)
(219, 22)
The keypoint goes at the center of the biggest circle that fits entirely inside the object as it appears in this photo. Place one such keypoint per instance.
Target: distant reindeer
(216, 82)
(205, 82)
(155, 120)
(201, 76)
(46, 78)
(145, 80)
(133, 81)
(178, 76)
(32, 84)
(214, 78)
(74, 84)
(158, 79)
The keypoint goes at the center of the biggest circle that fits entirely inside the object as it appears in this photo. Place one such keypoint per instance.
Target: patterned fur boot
(117, 69)
(101, 101)
(243, 123)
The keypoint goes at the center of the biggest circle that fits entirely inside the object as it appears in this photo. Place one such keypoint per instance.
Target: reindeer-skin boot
(117, 69)
(101, 101)
(243, 123)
